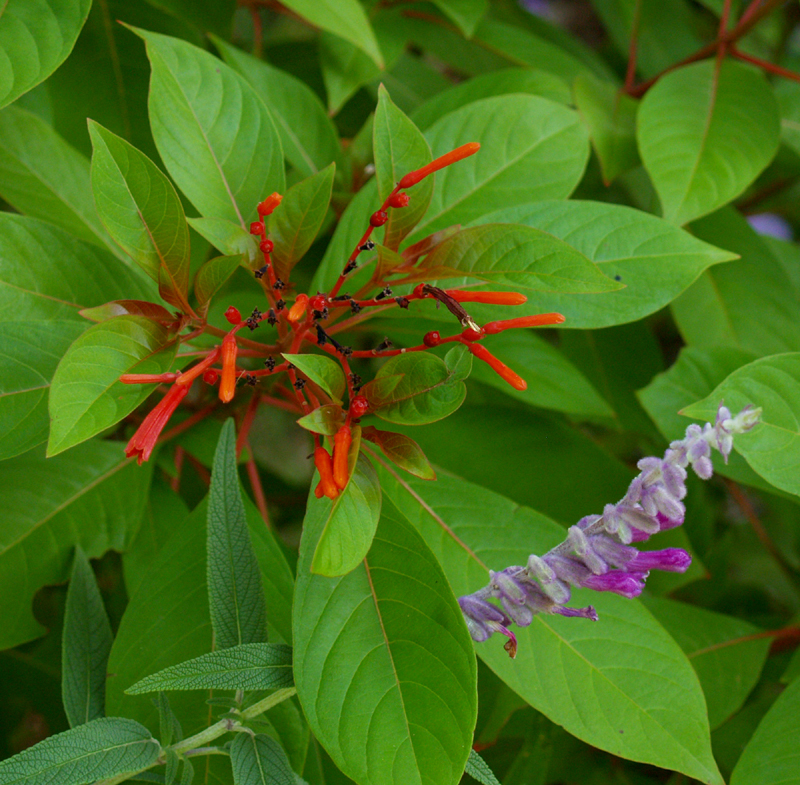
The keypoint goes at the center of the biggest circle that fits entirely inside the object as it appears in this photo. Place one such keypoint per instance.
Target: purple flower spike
(626, 584)
(482, 617)
(668, 560)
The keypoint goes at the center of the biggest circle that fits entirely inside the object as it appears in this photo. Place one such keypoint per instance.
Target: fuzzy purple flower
(598, 552)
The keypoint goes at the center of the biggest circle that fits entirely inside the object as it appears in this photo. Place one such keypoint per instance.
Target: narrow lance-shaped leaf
(479, 770)
(85, 645)
(249, 666)
(168, 724)
(99, 749)
(235, 593)
(260, 760)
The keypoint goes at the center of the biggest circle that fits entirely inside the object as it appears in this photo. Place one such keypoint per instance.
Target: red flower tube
(500, 368)
(227, 385)
(538, 320)
(144, 440)
(466, 150)
(493, 298)
(341, 453)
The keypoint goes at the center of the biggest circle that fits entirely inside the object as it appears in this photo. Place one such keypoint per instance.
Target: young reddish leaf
(402, 450)
(101, 313)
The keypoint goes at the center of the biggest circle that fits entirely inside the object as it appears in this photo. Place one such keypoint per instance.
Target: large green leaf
(309, 138)
(652, 258)
(399, 148)
(345, 18)
(415, 389)
(622, 685)
(749, 304)
(86, 396)
(726, 653)
(259, 760)
(142, 212)
(705, 132)
(248, 666)
(36, 36)
(235, 593)
(211, 277)
(92, 497)
(215, 135)
(383, 664)
(539, 151)
(85, 644)
(772, 448)
(772, 754)
(47, 277)
(227, 237)
(44, 177)
(350, 522)
(103, 748)
(518, 256)
(323, 371)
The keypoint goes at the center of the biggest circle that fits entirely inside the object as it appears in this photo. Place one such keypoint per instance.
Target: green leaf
(102, 748)
(152, 311)
(169, 725)
(383, 663)
(479, 770)
(259, 760)
(326, 420)
(36, 36)
(235, 593)
(749, 304)
(459, 362)
(211, 277)
(772, 754)
(350, 520)
(322, 370)
(788, 94)
(402, 451)
(142, 212)
(465, 13)
(227, 237)
(725, 652)
(610, 695)
(652, 258)
(86, 396)
(502, 82)
(544, 161)
(295, 223)
(308, 136)
(399, 148)
(772, 448)
(610, 116)
(85, 645)
(345, 18)
(414, 389)
(43, 176)
(249, 666)
(705, 132)
(93, 484)
(213, 132)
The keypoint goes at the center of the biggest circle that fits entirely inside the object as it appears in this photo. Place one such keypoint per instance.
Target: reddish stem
(630, 74)
(765, 64)
(257, 488)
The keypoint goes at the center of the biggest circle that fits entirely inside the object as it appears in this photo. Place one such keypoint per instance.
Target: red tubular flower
(341, 452)
(500, 368)
(322, 460)
(538, 320)
(466, 150)
(227, 385)
(144, 440)
(299, 308)
(493, 298)
(269, 204)
(147, 378)
(196, 370)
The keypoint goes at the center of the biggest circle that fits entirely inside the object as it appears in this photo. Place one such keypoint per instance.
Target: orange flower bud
(493, 298)
(227, 385)
(298, 309)
(322, 460)
(500, 368)
(318, 492)
(538, 320)
(466, 150)
(269, 204)
(341, 452)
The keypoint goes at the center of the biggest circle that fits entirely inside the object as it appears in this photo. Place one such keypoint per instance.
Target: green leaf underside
(249, 666)
(260, 760)
(213, 132)
(92, 497)
(600, 682)
(403, 452)
(350, 523)
(86, 396)
(321, 370)
(705, 132)
(102, 748)
(212, 276)
(235, 593)
(772, 448)
(384, 666)
(414, 389)
(86, 642)
(36, 36)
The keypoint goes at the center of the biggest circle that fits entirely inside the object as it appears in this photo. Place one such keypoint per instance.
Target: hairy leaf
(260, 760)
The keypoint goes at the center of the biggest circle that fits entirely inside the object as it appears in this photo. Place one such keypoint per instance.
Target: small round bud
(233, 315)
(359, 406)
(472, 335)
(378, 218)
(210, 376)
(318, 302)
(399, 200)
(266, 246)
(257, 227)
(432, 338)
